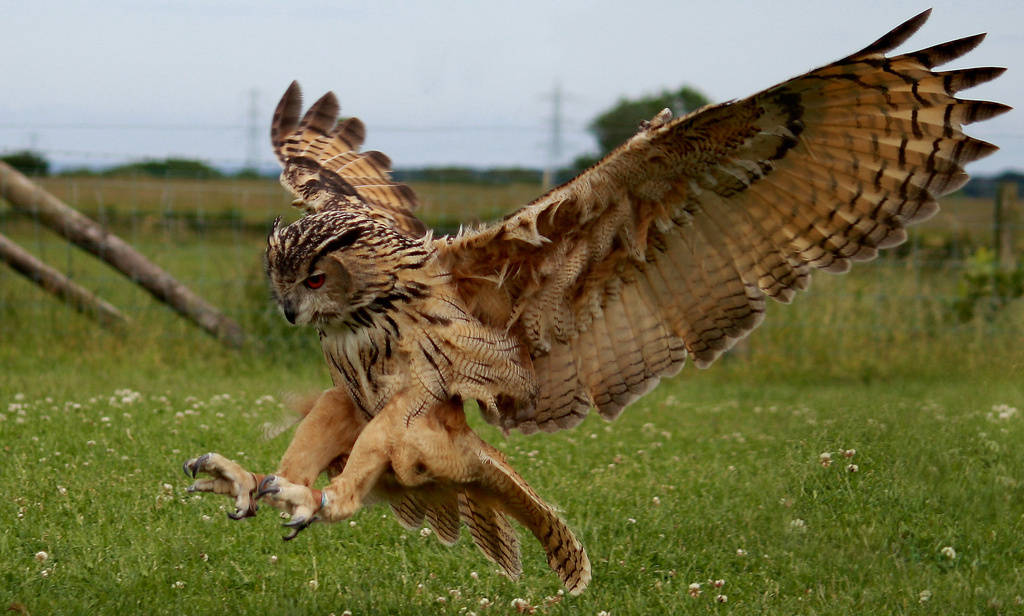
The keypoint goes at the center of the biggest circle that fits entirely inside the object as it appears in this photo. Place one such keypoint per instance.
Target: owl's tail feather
(439, 508)
(491, 532)
(505, 490)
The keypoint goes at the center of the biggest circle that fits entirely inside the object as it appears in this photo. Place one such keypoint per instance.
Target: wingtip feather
(895, 37)
(286, 115)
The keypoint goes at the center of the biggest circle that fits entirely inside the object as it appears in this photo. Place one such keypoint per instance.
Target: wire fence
(960, 270)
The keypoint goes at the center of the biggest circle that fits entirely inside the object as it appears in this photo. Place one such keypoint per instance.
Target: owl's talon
(298, 525)
(225, 477)
(192, 467)
(267, 486)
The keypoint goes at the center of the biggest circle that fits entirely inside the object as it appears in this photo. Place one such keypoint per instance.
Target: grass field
(712, 477)
(717, 475)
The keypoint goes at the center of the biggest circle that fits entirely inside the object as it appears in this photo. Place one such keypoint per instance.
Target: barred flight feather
(694, 221)
(667, 248)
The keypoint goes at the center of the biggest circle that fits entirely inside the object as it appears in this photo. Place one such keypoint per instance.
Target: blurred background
(152, 119)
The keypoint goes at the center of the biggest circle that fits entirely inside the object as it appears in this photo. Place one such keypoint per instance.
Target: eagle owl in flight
(583, 299)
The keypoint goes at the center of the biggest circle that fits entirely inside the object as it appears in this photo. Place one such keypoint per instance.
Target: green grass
(155, 203)
(93, 479)
(95, 423)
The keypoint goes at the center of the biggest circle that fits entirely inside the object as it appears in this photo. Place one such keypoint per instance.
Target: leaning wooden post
(60, 285)
(83, 231)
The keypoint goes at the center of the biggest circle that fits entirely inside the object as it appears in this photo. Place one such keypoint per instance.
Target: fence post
(60, 285)
(26, 196)
(1006, 220)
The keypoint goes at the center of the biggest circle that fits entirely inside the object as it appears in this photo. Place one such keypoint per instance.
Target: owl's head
(318, 268)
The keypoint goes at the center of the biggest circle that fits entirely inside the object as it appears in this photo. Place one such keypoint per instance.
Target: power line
(454, 128)
(255, 144)
(555, 146)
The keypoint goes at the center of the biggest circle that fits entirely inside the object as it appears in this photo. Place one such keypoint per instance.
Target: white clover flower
(798, 524)
(178, 585)
(741, 552)
(313, 584)
(849, 453)
(273, 559)
(455, 593)
(474, 575)
(924, 596)
(852, 468)
(656, 501)
(42, 556)
(425, 532)
(949, 552)
(694, 589)
(825, 459)
(721, 598)
(485, 602)
(719, 583)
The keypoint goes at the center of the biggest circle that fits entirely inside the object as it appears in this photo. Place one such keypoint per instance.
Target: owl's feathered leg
(435, 467)
(322, 441)
(366, 462)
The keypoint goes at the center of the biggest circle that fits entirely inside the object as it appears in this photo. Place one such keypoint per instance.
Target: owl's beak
(289, 312)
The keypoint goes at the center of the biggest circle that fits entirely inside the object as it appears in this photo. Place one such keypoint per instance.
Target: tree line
(609, 128)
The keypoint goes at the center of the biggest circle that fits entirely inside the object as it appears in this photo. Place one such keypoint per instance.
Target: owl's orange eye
(315, 281)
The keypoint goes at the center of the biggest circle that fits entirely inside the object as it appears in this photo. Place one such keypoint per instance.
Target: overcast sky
(441, 82)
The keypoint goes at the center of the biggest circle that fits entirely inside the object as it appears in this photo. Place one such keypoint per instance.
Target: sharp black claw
(298, 525)
(263, 488)
(191, 470)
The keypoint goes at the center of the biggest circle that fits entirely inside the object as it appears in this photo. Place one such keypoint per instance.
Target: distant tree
(249, 173)
(28, 162)
(469, 175)
(168, 168)
(619, 123)
(616, 125)
(988, 185)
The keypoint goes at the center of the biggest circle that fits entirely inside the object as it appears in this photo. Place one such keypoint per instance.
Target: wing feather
(324, 168)
(669, 245)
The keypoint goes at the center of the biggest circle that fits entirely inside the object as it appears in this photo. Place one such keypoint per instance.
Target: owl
(668, 248)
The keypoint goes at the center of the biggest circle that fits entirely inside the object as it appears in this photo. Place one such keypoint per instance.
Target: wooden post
(60, 285)
(1006, 219)
(86, 233)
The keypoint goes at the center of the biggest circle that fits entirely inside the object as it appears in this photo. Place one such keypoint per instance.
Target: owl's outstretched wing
(670, 244)
(324, 168)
